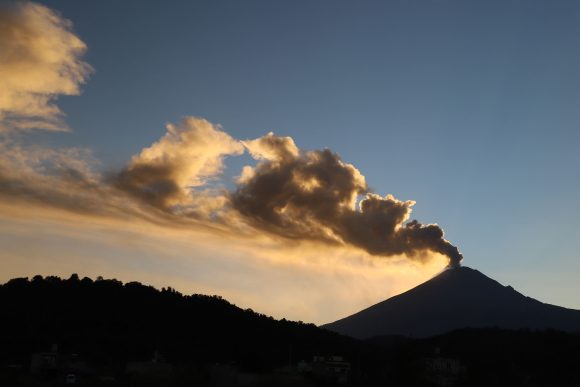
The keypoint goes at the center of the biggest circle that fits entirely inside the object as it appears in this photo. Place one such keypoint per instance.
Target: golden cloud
(185, 158)
(40, 60)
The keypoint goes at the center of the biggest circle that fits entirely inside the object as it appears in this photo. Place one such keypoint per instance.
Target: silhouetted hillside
(455, 299)
(105, 333)
(115, 322)
(112, 325)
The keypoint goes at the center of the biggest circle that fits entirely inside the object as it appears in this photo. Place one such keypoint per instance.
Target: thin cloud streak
(335, 281)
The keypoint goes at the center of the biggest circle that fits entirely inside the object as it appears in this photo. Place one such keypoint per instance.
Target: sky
(135, 144)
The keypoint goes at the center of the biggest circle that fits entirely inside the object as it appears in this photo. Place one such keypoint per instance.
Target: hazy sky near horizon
(469, 108)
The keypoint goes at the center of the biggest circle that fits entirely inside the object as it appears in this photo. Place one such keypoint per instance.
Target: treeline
(111, 323)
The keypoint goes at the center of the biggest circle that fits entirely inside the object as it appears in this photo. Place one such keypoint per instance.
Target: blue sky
(471, 108)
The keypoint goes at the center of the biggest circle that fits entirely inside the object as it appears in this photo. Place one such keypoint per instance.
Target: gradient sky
(470, 108)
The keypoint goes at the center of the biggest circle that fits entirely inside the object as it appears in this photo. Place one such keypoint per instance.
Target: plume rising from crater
(289, 194)
(313, 195)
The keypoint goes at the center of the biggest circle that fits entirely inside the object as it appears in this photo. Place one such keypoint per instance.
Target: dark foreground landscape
(105, 333)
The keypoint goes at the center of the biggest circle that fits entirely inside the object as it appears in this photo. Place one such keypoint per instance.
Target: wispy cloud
(40, 60)
(309, 282)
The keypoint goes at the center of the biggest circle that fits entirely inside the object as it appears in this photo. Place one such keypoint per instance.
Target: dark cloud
(313, 195)
(153, 184)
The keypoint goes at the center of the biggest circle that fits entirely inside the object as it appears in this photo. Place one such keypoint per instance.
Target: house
(55, 365)
(443, 371)
(332, 369)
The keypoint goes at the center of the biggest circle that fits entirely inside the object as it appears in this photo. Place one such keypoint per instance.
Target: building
(333, 369)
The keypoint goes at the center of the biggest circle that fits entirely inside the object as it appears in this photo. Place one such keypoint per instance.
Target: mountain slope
(457, 298)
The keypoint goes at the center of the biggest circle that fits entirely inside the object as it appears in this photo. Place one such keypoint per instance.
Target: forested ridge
(112, 322)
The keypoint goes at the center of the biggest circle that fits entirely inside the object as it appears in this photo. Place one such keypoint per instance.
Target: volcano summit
(457, 298)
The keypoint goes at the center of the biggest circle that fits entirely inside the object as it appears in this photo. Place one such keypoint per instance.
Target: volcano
(457, 298)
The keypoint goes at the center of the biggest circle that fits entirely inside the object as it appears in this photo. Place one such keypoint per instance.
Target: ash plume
(289, 194)
(313, 195)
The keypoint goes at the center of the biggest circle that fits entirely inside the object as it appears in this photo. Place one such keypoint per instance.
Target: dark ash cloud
(313, 195)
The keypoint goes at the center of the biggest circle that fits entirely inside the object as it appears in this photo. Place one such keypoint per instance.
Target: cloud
(273, 148)
(313, 195)
(290, 195)
(167, 173)
(41, 59)
(296, 195)
(60, 178)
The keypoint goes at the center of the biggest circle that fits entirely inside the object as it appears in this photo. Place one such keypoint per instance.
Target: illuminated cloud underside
(306, 282)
